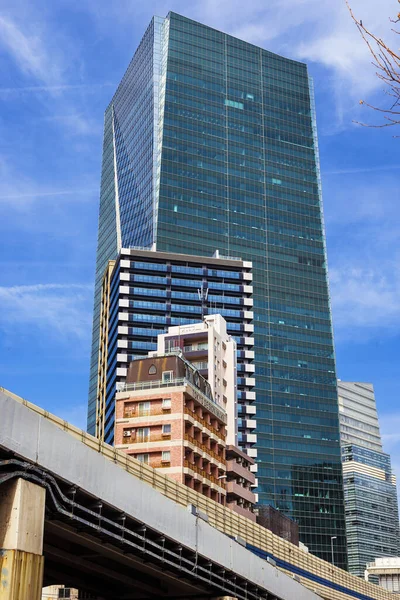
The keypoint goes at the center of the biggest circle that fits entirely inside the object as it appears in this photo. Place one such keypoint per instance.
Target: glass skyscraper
(210, 143)
(372, 518)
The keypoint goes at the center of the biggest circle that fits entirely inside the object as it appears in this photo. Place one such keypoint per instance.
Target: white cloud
(5, 92)
(45, 57)
(59, 310)
(29, 51)
(365, 298)
(21, 193)
(316, 31)
(390, 430)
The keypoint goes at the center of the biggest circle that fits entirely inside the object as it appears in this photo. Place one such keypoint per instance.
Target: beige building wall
(212, 351)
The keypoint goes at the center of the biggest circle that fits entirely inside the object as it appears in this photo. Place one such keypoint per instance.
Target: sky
(60, 63)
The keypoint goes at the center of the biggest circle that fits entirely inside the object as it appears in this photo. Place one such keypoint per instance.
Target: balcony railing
(150, 385)
(205, 423)
(200, 365)
(136, 439)
(132, 414)
(203, 447)
(207, 401)
(203, 473)
(195, 348)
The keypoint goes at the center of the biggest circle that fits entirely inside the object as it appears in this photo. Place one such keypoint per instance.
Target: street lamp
(333, 537)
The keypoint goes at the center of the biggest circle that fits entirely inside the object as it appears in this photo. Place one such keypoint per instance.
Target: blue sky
(60, 62)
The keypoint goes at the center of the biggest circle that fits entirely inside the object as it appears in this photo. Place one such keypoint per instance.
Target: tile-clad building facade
(210, 142)
(372, 518)
(145, 292)
(166, 417)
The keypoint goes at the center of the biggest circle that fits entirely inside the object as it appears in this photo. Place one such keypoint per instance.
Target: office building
(210, 143)
(372, 519)
(387, 571)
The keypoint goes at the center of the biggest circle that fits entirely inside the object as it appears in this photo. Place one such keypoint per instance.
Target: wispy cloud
(44, 57)
(365, 299)
(35, 194)
(18, 192)
(61, 310)
(390, 428)
(29, 52)
(356, 170)
(54, 89)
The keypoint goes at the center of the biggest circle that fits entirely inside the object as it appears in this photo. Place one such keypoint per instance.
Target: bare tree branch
(387, 64)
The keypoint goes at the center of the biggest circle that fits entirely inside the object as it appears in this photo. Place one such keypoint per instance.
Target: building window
(166, 456)
(152, 370)
(144, 409)
(166, 429)
(143, 458)
(64, 593)
(143, 434)
(167, 376)
(166, 403)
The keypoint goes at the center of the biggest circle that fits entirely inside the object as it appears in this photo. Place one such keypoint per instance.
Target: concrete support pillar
(21, 540)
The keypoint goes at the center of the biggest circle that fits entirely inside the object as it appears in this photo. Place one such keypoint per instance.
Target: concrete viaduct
(69, 515)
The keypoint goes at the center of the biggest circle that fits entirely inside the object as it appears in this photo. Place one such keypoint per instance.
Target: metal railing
(201, 365)
(203, 422)
(132, 414)
(204, 448)
(195, 348)
(150, 385)
(207, 401)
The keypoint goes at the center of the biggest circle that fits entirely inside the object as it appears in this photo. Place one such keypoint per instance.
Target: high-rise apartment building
(174, 419)
(212, 352)
(144, 294)
(210, 142)
(372, 519)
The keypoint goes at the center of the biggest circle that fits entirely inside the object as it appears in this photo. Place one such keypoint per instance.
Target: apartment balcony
(153, 412)
(134, 439)
(218, 457)
(240, 492)
(202, 472)
(237, 469)
(244, 512)
(204, 423)
(193, 352)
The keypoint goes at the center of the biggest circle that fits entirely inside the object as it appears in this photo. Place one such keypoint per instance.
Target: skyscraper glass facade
(233, 165)
(372, 519)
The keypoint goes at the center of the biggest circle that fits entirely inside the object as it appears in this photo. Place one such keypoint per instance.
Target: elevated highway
(110, 534)
(121, 530)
